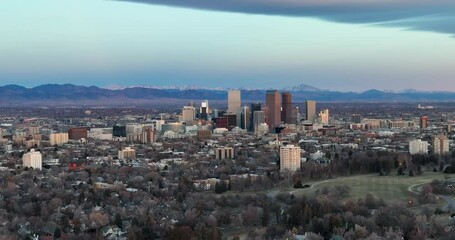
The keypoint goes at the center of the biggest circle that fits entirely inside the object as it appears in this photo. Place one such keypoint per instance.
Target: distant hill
(68, 94)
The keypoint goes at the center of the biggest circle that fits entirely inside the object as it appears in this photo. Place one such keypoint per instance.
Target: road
(450, 200)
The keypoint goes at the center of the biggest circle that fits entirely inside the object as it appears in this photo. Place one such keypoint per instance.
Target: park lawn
(389, 188)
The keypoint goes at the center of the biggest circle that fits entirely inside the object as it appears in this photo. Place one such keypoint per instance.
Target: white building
(324, 116)
(58, 138)
(418, 147)
(32, 159)
(289, 158)
(126, 153)
(441, 145)
(100, 134)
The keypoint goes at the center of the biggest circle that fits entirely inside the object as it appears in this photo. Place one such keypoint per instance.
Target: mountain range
(73, 95)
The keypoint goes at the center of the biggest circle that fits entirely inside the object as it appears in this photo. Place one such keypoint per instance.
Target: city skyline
(247, 46)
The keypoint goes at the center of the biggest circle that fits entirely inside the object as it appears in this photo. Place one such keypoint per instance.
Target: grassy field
(386, 187)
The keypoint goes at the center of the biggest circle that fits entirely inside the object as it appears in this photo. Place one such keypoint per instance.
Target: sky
(338, 45)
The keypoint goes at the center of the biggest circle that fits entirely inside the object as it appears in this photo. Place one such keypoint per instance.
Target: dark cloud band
(428, 15)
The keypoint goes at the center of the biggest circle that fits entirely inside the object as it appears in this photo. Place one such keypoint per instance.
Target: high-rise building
(204, 110)
(134, 132)
(258, 119)
(440, 145)
(289, 158)
(295, 115)
(234, 101)
(32, 159)
(324, 116)
(245, 118)
(418, 147)
(119, 131)
(254, 107)
(273, 103)
(148, 135)
(58, 138)
(310, 110)
(423, 122)
(286, 115)
(231, 120)
(188, 114)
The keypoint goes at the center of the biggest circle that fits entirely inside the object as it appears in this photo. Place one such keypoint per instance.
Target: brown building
(286, 112)
(273, 103)
(204, 134)
(148, 136)
(423, 122)
(77, 133)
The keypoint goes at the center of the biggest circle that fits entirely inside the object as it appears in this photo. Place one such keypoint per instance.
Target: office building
(204, 110)
(324, 116)
(134, 133)
(310, 110)
(148, 135)
(126, 153)
(58, 138)
(204, 134)
(273, 103)
(254, 107)
(224, 153)
(418, 147)
(231, 120)
(100, 134)
(32, 159)
(289, 158)
(295, 115)
(245, 118)
(77, 133)
(188, 114)
(356, 118)
(440, 145)
(423, 122)
(258, 119)
(234, 101)
(119, 131)
(286, 113)
(221, 122)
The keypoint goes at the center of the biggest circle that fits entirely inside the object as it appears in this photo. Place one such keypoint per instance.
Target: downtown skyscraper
(234, 101)
(273, 104)
(310, 111)
(286, 114)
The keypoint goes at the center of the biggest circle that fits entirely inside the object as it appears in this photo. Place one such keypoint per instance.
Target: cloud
(428, 15)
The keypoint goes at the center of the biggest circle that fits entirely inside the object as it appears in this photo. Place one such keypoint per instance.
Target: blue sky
(99, 42)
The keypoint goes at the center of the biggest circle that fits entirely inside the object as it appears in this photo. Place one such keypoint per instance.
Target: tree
(57, 233)
(221, 187)
(99, 219)
(298, 184)
(118, 221)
